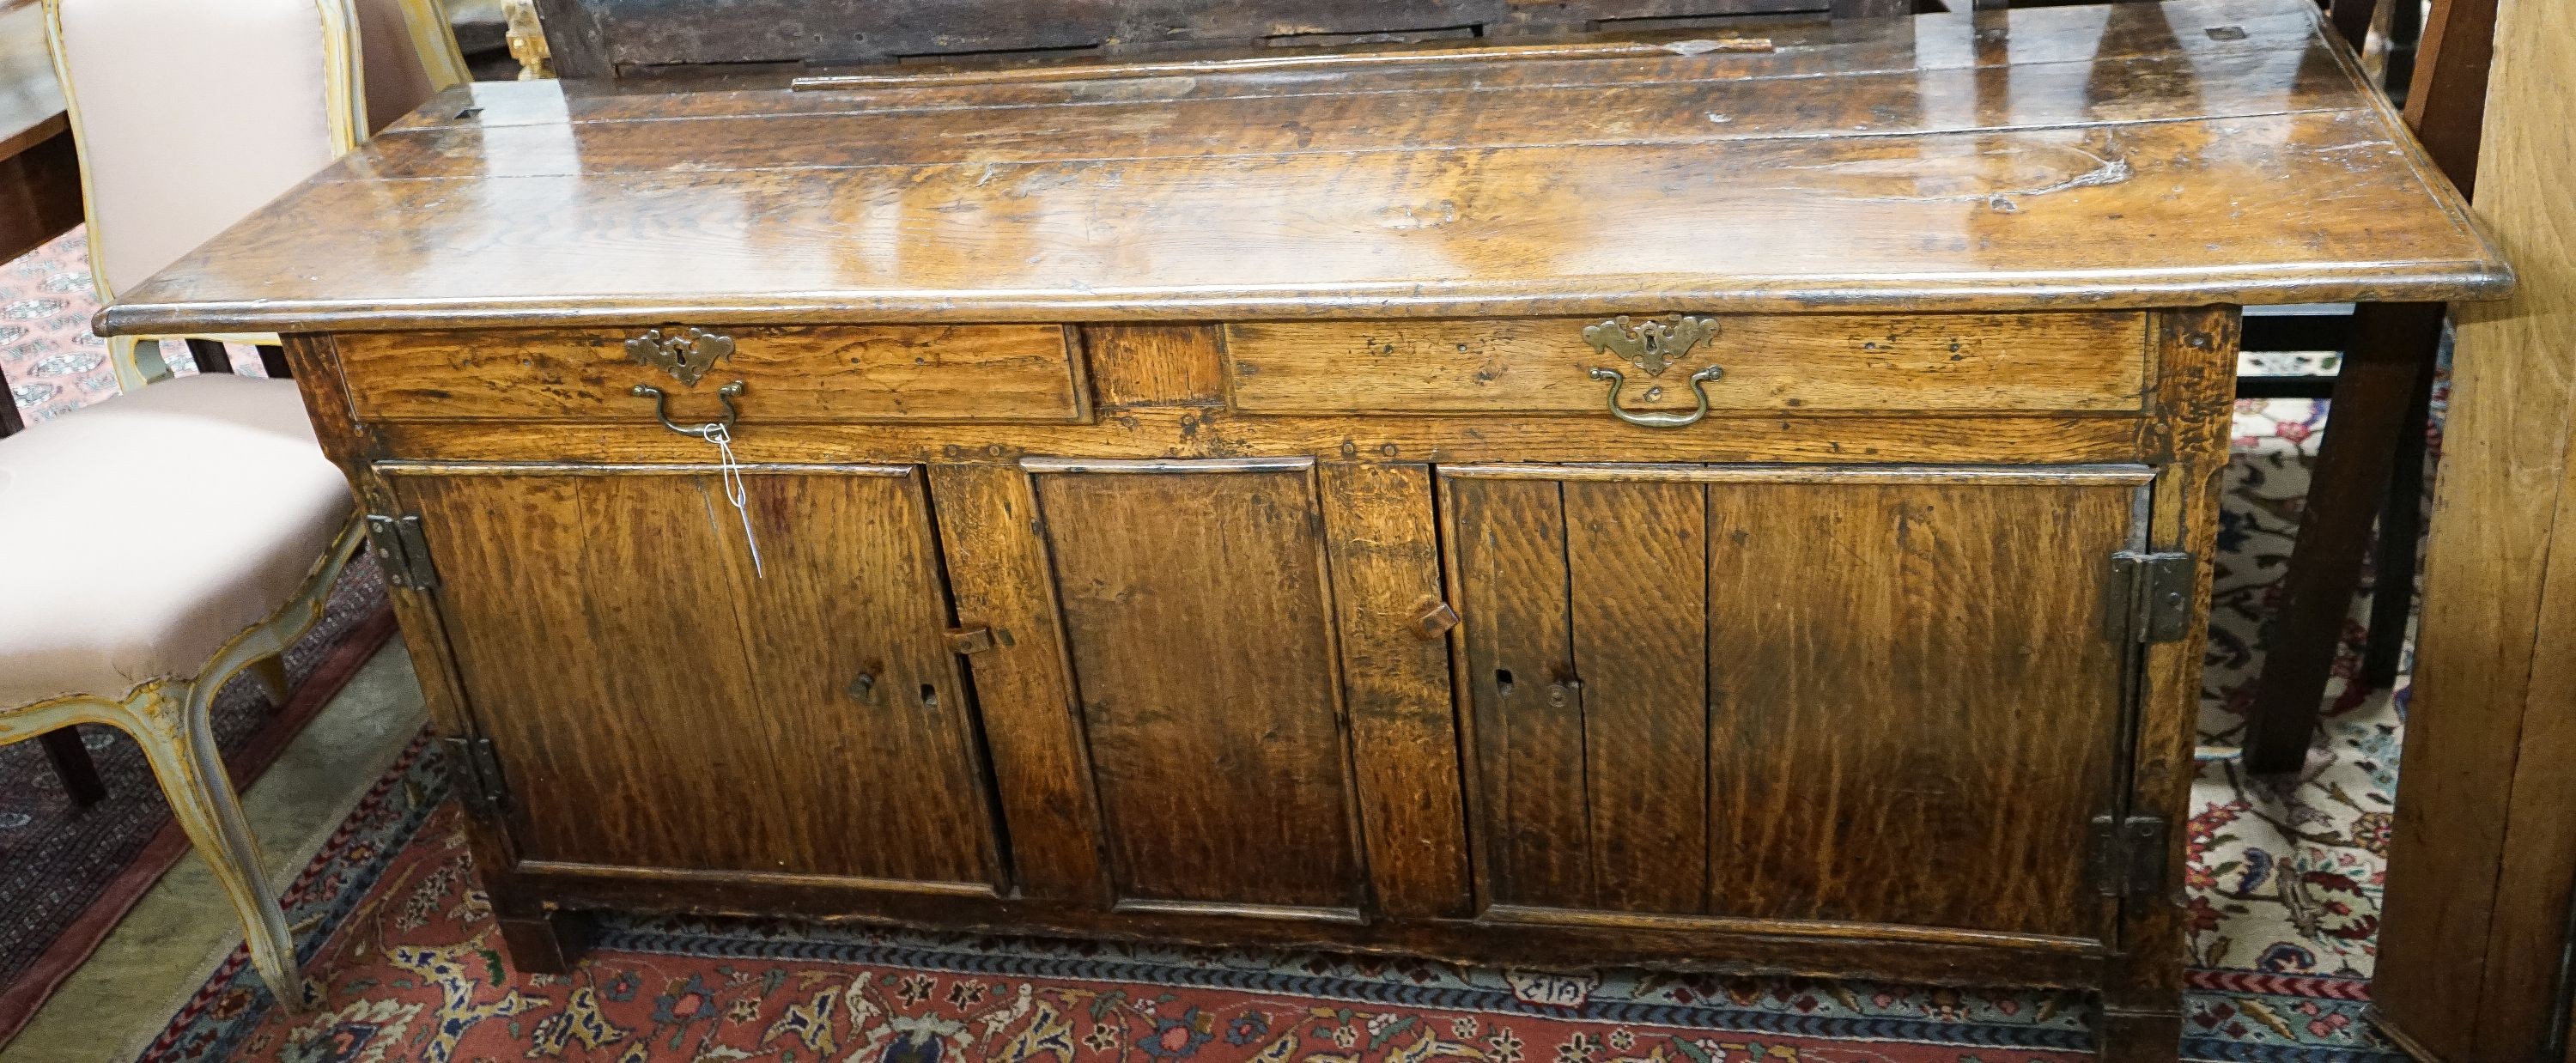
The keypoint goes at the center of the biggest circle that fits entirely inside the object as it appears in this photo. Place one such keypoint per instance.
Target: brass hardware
(1650, 345)
(686, 356)
(1698, 383)
(966, 640)
(1434, 620)
(863, 689)
(661, 408)
(969, 639)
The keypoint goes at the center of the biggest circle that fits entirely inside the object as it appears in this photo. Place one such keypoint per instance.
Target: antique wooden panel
(615, 34)
(658, 703)
(1393, 622)
(1920, 731)
(1862, 746)
(1525, 712)
(2027, 363)
(825, 373)
(1199, 619)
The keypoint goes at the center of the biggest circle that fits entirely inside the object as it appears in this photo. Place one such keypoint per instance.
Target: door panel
(1197, 614)
(1855, 695)
(656, 702)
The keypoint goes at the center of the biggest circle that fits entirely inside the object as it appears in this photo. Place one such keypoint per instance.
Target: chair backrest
(190, 114)
(409, 54)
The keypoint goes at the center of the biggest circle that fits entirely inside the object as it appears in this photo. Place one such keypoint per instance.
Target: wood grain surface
(634, 672)
(2183, 170)
(1720, 631)
(2021, 363)
(1228, 781)
(871, 373)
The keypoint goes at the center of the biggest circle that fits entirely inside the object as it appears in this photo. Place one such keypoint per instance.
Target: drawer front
(2019, 363)
(822, 373)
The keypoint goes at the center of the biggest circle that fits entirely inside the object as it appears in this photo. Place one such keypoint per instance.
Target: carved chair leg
(175, 737)
(270, 672)
(73, 766)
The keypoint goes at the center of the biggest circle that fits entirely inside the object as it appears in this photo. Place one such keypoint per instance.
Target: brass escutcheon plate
(1650, 345)
(686, 355)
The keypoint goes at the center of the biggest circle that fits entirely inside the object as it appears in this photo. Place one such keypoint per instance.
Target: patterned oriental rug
(405, 963)
(66, 874)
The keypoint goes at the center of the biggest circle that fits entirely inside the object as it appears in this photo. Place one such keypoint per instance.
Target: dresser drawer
(819, 373)
(2016, 363)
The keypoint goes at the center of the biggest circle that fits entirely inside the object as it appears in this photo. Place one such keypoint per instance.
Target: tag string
(733, 489)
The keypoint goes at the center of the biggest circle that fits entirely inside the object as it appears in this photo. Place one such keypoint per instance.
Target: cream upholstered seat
(126, 630)
(262, 502)
(188, 115)
(191, 115)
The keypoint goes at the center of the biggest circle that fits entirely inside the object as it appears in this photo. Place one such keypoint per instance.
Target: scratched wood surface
(2219, 153)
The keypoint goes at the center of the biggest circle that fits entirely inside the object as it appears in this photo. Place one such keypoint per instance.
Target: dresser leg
(546, 943)
(2140, 1036)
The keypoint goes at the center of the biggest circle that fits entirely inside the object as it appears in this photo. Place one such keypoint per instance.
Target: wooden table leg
(2401, 526)
(2392, 346)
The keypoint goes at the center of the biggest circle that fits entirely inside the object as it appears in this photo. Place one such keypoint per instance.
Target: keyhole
(929, 696)
(1503, 681)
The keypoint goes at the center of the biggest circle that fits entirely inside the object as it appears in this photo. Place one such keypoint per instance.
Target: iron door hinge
(475, 771)
(2128, 858)
(401, 550)
(2150, 597)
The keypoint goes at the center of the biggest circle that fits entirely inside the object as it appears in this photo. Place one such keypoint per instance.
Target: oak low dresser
(1740, 504)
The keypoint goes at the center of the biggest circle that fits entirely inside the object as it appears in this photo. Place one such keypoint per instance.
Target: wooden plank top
(2122, 155)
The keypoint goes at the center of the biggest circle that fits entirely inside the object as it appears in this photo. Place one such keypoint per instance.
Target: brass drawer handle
(1699, 387)
(661, 409)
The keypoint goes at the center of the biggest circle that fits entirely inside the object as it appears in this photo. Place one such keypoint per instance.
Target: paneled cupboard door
(1211, 690)
(657, 700)
(1793, 695)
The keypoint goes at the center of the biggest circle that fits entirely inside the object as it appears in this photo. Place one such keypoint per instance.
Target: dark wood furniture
(2371, 461)
(598, 38)
(1186, 507)
(2476, 932)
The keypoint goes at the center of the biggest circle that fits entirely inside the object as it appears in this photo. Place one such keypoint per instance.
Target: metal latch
(401, 550)
(2150, 597)
(2128, 858)
(475, 771)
